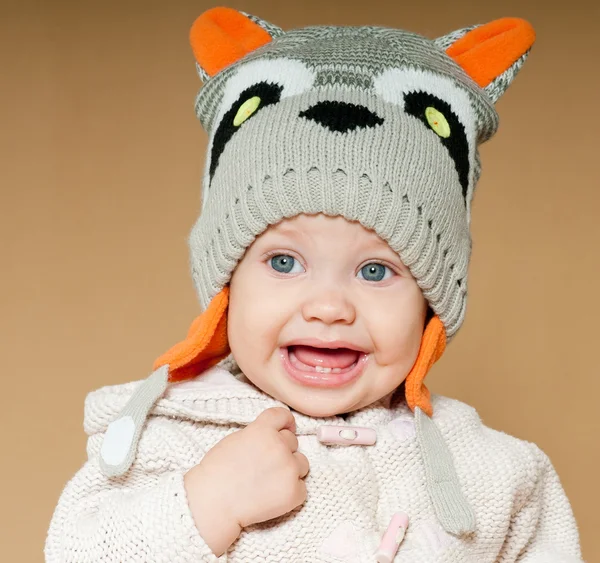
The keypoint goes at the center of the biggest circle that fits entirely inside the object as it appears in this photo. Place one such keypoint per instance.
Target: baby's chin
(306, 406)
(318, 411)
(319, 404)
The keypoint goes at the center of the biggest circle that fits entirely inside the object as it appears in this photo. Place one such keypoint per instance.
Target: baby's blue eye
(374, 272)
(283, 263)
(286, 264)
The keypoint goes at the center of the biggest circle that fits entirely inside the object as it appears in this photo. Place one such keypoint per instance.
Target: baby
(330, 259)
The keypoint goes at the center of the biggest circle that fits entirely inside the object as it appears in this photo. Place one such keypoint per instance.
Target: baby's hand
(250, 476)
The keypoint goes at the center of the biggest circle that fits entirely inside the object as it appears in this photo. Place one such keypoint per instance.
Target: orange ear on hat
(206, 343)
(433, 345)
(489, 50)
(222, 36)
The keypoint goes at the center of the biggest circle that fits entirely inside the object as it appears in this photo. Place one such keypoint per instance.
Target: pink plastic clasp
(392, 538)
(346, 435)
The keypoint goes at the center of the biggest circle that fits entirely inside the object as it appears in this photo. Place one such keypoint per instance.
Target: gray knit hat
(378, 125)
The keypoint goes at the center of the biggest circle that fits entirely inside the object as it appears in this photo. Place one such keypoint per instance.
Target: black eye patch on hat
(249, 103)
(437, 115)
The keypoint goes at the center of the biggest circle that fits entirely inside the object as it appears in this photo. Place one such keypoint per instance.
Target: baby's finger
(302, 462)
(277, 418)
(290, 439)
(299, 493)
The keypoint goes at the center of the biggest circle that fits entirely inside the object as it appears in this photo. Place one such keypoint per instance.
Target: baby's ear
(222, 36)
(491, 54)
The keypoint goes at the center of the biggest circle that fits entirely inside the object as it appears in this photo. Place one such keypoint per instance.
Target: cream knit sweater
(521, 509)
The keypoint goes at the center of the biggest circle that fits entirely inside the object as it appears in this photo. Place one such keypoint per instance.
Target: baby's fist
(250, 476)
(269, 471)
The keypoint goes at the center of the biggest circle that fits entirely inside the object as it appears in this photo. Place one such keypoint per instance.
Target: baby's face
(313, 280)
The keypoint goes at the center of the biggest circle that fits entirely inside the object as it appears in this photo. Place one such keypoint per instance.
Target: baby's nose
(341, 116)
(329, 307)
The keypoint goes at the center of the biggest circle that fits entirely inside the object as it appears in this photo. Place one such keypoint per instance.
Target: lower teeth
(327, 370)
(319, 369)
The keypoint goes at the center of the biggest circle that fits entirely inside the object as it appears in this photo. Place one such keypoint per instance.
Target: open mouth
(323, 367)
(323, 360)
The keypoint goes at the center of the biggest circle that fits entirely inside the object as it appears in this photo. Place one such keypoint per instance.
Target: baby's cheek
(396, 329)
(383, 380)
(395, 354)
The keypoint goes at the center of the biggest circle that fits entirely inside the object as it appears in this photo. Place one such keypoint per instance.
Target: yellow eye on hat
(437, 122)
(246, 110)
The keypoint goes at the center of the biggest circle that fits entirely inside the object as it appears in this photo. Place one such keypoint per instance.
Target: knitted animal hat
(378, 125)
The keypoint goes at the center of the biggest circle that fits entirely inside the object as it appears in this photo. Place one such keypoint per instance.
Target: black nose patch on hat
(341, 117)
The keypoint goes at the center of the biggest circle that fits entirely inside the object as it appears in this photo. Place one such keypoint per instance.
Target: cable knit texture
(521, 510)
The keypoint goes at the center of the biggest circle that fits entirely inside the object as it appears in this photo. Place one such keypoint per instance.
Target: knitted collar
(219, 397)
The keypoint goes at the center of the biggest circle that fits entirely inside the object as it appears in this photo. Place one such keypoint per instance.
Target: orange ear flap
(222, 36)
(206, 343)
(433, 345)
(491, 49)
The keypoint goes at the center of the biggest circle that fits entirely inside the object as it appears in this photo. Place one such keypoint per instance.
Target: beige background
(101, 165)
